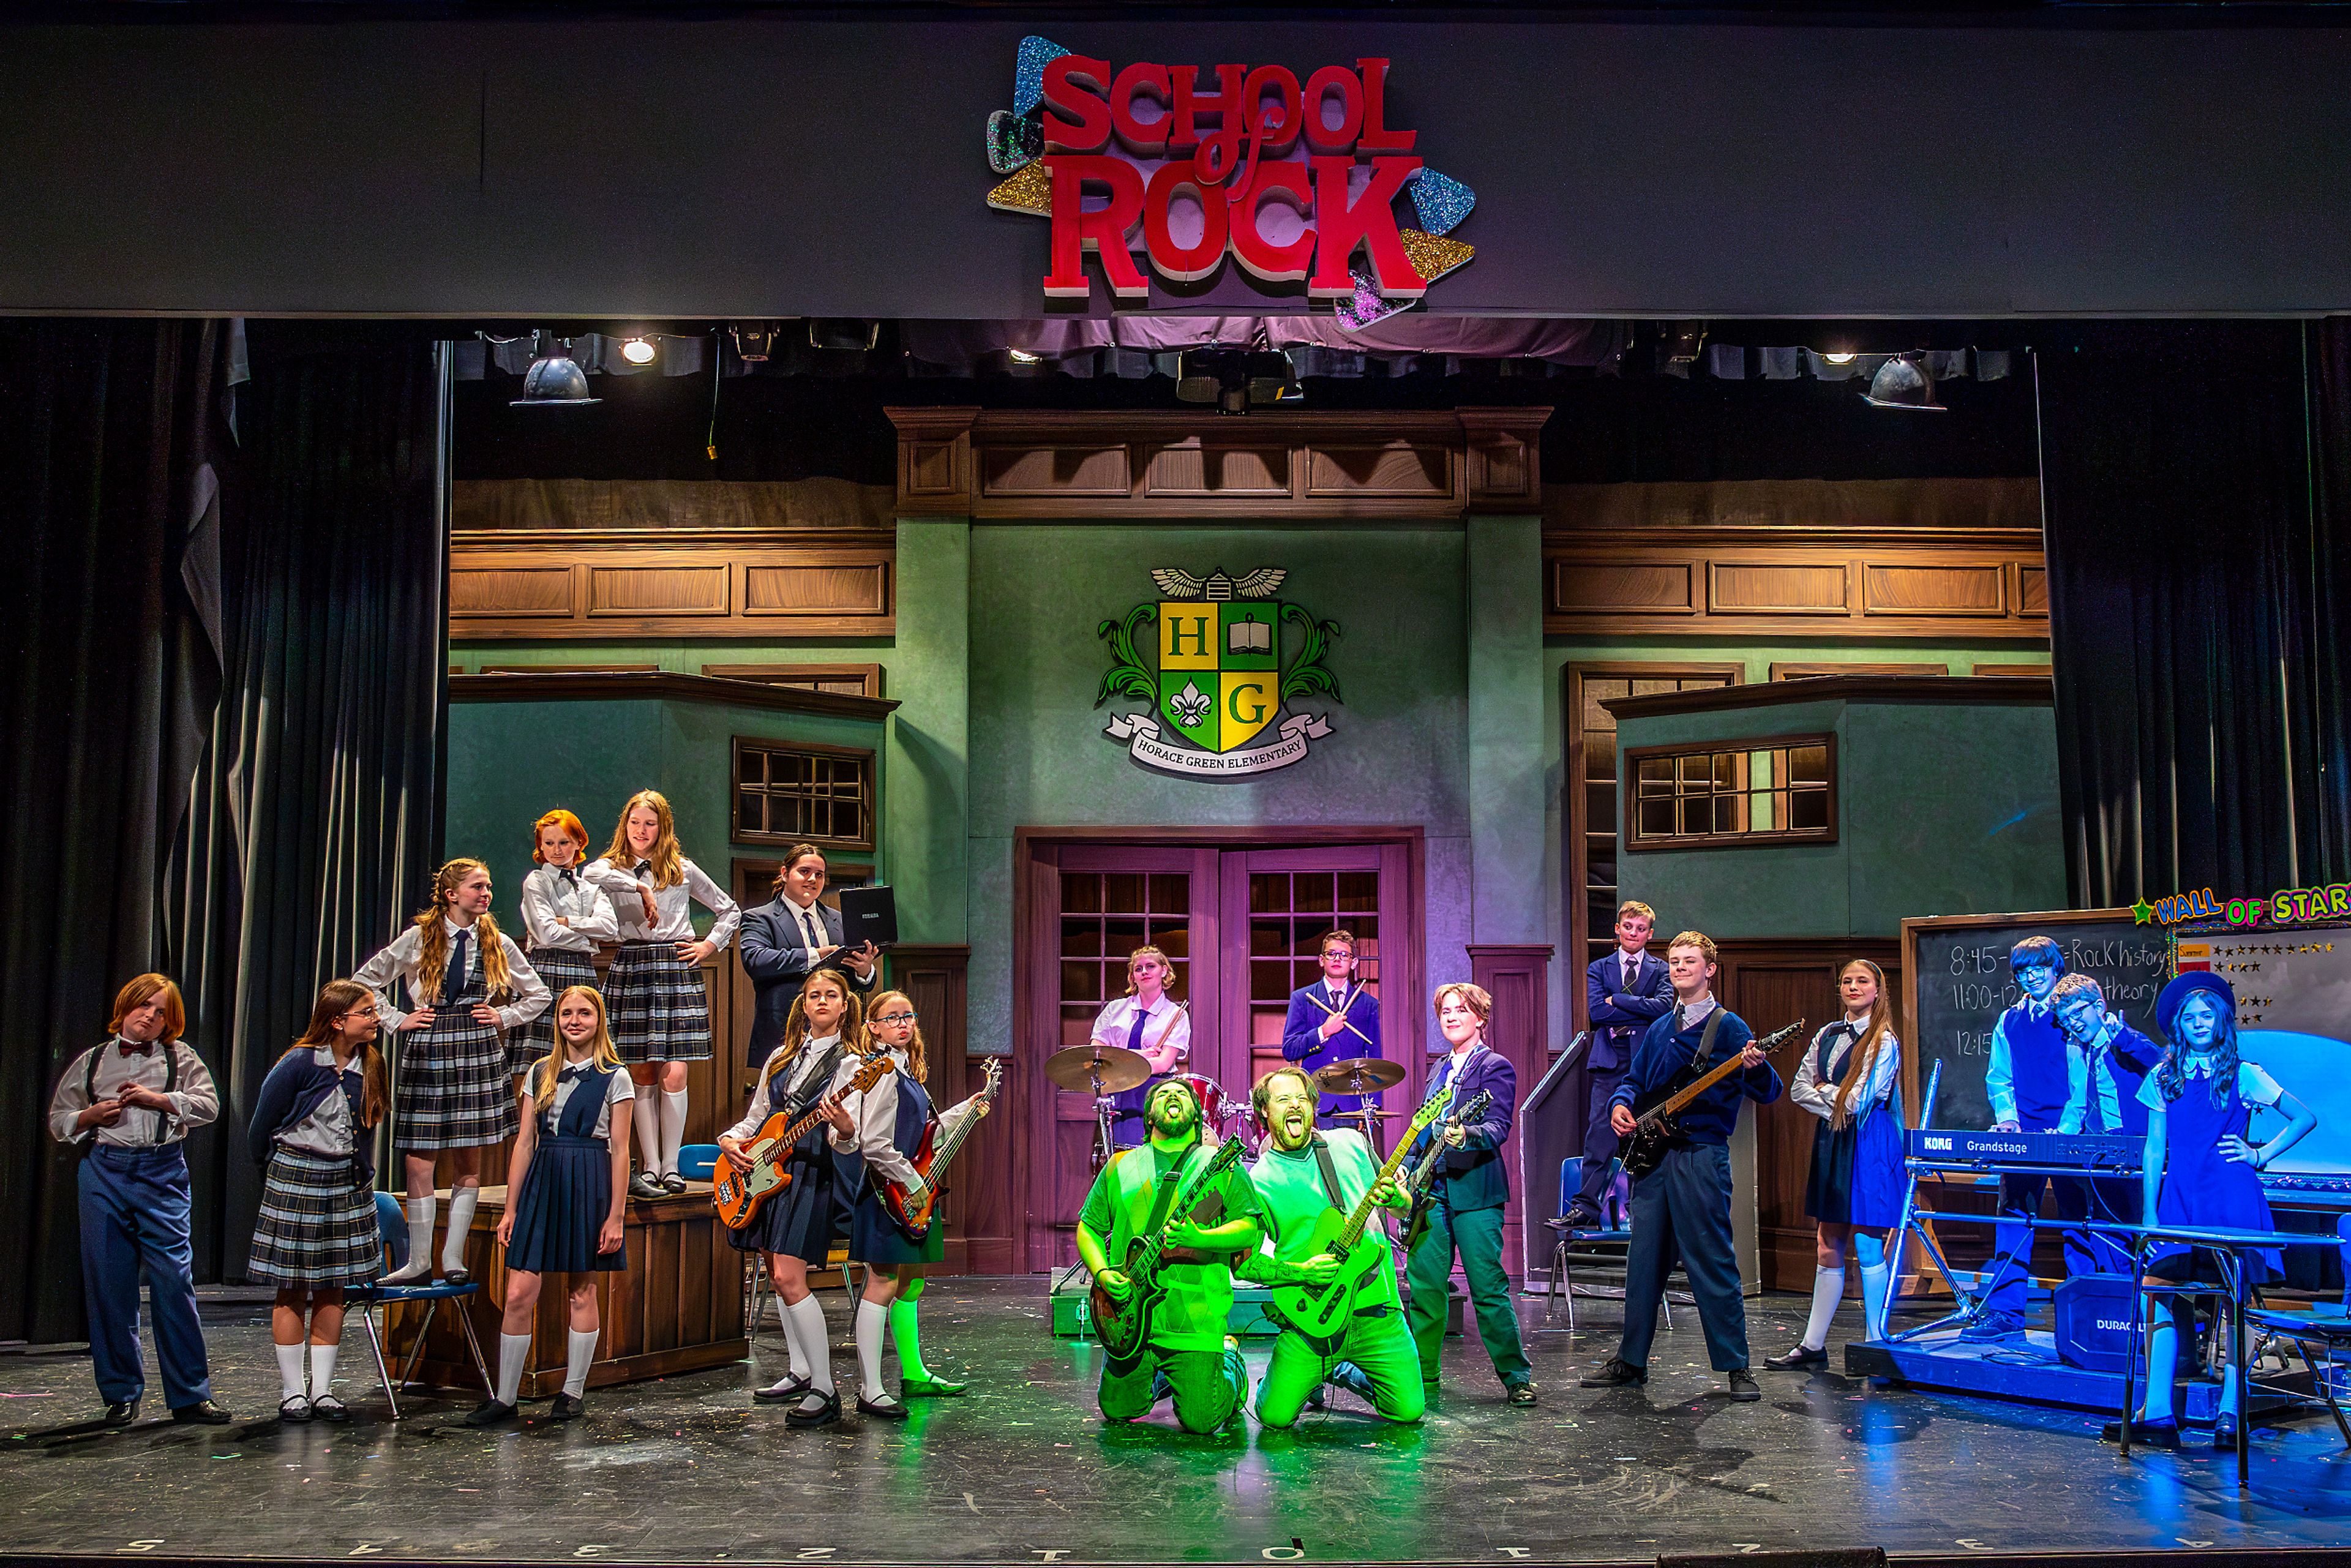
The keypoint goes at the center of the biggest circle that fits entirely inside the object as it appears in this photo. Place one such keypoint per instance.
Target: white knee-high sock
(1828, 1294)
(581, 1355)
(808, 1317)
(645, 1116)
(672, 1129)
(420, 1239)
(2162, 1362)
(1876, 1284)
(792, 1338)
(514, 1349)
(872, 1322)
(322, 1370)
(289, 1372)
(461, 1221)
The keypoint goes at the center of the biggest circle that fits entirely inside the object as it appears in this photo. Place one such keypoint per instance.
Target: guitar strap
(1169, 1179)
(1329, 1172)
(1205, 1213)
(1706, 1040)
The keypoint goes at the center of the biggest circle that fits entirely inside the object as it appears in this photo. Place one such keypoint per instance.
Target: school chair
(2319, 1332)
(391, 1225)
(1592, 1247)
(698, 1162)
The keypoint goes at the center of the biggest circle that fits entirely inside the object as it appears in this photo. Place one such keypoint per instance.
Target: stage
(1021, 1469)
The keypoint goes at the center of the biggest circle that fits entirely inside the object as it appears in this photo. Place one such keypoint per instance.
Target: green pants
(1209, 1385)
(1477, 1233)
(1379, 1344)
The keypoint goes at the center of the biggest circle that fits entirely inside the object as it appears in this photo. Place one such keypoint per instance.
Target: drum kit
(1105, 1070)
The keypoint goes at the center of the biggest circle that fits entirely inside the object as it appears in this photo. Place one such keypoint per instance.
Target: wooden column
(1517, 976)
(978, 1197)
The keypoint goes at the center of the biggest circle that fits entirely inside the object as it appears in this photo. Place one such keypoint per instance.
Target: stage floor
(1022, 1470)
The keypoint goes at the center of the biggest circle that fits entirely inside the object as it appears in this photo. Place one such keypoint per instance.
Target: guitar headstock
(1780, 1037)
(1474, 1109)
(1430, 1111)
(872, 1071)
(995, 1070)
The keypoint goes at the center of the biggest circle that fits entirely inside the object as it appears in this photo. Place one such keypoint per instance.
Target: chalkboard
(1956, 984)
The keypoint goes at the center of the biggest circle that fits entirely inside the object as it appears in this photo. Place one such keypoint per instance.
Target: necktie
(810, 930)
(571, 875)
(454, 983)
(1134, 1035)
(1631, 970)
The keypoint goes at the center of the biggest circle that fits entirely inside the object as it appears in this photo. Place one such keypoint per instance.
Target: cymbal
(1358, 1075)
(1077, 1068)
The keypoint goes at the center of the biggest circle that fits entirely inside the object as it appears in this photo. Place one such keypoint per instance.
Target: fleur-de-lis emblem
(1190, 705)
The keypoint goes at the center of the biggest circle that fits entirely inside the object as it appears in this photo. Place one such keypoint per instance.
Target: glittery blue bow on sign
(1441, 201)
(1029, 78)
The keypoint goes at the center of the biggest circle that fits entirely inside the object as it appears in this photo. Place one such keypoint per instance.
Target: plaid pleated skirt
(317, 1225)
(454, 1090)
(658, 1010)
(562, 969)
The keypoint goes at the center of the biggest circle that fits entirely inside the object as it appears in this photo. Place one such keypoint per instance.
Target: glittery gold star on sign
(1030, 191)
(2142, 912)
(1431, 257)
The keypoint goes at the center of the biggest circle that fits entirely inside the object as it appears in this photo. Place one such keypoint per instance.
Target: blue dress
(567, 1190)
(2201, 1187)
(1857, 1175)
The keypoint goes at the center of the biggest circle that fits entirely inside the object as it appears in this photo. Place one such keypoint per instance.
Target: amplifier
(2096, 1153)
(2094, 1316)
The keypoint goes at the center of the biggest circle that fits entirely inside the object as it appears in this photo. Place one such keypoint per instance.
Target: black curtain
(2326, 607)
(316, 823)
(113, 437)
(2195, 634)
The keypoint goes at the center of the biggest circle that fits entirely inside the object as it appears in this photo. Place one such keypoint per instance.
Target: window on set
(1773, 790)
(786, 791)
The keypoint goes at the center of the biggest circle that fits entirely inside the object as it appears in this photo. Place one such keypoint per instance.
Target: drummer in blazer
(791, 937)
(1624, 993)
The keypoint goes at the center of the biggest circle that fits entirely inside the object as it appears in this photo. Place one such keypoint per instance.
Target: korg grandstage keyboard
(1957, 1149)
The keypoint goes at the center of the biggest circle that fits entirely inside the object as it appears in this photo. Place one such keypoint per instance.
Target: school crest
(1218, 689)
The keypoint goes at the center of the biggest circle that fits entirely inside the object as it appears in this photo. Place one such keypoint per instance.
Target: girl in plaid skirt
(660, 1012)
(564, 915)
(311, 1130)
(468, 985)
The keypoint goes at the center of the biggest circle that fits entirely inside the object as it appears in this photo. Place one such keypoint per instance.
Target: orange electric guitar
(740, 1194)
(931, 1162)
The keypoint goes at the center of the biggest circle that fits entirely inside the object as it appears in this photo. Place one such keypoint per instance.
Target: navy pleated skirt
(1858, 1176)
(874, 1238)
(565, 1195)
(801, 1221)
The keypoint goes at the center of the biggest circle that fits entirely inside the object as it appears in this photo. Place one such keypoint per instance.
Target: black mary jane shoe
(672, 1184)
(1798, 1359)
(824, 1414)
(567, 1407)
(885, 1408)
(327, 1408)
(294, 1410)
(2146, 1434)
(2225, 1439)
(492, 1413)
(121, 1412)
(457, 1277)
(783, 1393)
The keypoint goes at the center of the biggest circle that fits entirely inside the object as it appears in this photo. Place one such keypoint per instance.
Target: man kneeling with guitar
(1158, 1232)
(1681, 1207)
(1334, 1287)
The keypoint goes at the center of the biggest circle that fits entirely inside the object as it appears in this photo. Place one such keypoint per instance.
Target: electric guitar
(1124, 1327)
(931, 1161)
(1644, 1148)
(738, 1194)
(1424, 1172)
(1320, 1311)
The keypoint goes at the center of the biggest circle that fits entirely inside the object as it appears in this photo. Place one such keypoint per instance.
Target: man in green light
(1301, 1174)
(1187, 1354)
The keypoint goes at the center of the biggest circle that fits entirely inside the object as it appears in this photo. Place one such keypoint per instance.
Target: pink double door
(1241, 923)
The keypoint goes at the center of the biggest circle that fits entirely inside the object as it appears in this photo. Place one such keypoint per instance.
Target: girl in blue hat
(2201, 1170)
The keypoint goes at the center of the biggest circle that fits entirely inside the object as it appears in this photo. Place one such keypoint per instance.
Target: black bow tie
(569, 1073)
(569, 874)
(135, 1047)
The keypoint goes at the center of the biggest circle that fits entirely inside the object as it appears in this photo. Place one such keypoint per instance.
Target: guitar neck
(1729, 1066)
(947, 1151)
(1360, 1215)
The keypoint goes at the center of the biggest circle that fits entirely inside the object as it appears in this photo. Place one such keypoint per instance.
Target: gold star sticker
(2142, 913)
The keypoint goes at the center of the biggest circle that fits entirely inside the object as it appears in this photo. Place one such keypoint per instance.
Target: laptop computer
(868, 915)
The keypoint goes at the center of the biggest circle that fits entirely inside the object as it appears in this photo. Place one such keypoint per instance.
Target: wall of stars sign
(1296, 180)
(2294, 1014)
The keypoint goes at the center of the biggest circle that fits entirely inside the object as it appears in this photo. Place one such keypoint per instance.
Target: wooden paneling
(845, 680)
(563, 669)
(1772, 981)
(2016, 671)
(537, 685)
(1517, 976)
(1907, 506)
(1801, 672)
(757, 583)
(688, 505)
(1290, 464)
(1768, 582)
(1964, 691)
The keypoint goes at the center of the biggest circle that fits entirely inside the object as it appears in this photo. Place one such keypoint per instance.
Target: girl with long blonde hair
(659, 1012)
(567, 1198)
(316, 1234)
(882, 1128)
(1850, 1078)
(796, 1224)
(468, 987)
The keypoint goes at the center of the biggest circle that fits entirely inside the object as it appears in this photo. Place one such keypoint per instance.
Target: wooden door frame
(1036, 866)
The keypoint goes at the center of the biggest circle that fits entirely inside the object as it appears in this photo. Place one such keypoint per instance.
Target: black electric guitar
(1424, 1170)
(1644, 1148)
(1124, 1327)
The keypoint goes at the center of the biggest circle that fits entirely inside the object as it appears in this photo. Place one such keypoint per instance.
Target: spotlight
(553, 380)
(755, 341)
(852, 337)
(639, 350)
(1845, 358)
(1901, 382)
(1272, 380)
(1023, 357)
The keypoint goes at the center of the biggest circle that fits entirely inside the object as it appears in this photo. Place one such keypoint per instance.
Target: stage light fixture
(1683, 339)
(753, 341)
(639, 351)
(1902, 382)
(1843, 357)
(555, 379)
(1273, 380)
(852, 337)
(1023, 357)
(1235, 380)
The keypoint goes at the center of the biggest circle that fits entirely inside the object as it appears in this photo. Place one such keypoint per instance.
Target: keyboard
(2095, 1152)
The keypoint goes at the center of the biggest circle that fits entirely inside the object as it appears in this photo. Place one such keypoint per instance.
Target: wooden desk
(678, 1306)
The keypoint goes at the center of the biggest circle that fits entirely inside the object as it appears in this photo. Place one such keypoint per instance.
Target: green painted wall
(1508, 764)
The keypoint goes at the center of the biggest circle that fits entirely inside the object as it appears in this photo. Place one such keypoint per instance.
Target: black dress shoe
(2146, 1434)
(294, 1409)
(1617, 1373)
(1580, 1218)
(782, 1394)
(204, 1413)
(1522, 1394)
(824, 1414)
(885, 1408)
(490, 1413)
(457, 1277)
(2225, 1439)
(1798, 1359)
(327, 1408)
(121, 1412)
(568, 1407)
(1742, 1386)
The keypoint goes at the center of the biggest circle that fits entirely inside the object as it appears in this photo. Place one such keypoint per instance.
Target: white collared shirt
(194, 1101)
(1815, 1089)
(327, 1131)
(1687, 1015)
(803, 1070)
(876, 1111)
(570, 913)
(1628, 969)
(1115, 1023)
(673, 906)
(618, 1087)
(399, 961)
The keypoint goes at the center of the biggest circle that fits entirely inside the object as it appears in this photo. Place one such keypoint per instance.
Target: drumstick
(1181, 1007)
(1340, 1012)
